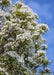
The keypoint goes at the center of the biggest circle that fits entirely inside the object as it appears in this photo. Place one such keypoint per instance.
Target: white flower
(0, 1)
(12, 54)
(22, 10)
(11, 39)
(47, 69)
(7, 45)
(41, 51)
(44, 45)
(24, 36)
(30, 59)
(2, 69)
(43, 26)
(1, 33)
(21, 59)
(45, 58)
(35, 33)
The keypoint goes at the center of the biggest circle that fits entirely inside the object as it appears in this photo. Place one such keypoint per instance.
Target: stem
(44, 67)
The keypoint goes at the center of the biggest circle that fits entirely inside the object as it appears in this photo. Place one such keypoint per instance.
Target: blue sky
(45, 11)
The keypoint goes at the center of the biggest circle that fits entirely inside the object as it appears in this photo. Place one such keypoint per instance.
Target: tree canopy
(22, 46)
